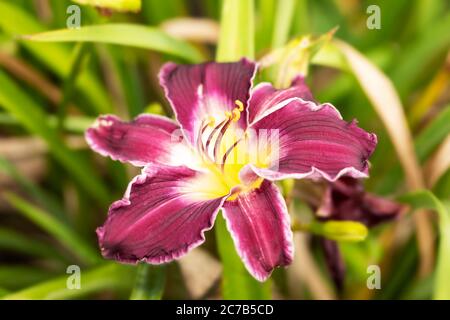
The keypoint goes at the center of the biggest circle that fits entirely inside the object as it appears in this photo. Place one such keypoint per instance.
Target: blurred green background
(54, 191)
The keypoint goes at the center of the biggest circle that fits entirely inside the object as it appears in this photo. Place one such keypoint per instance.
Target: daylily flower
(207, 161)
(346, 199)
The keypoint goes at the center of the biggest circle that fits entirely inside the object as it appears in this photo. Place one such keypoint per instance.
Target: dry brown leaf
(304, 270)
(200, 271)
(193, 29)
(383, 96)
(32, 77)
(439, 163)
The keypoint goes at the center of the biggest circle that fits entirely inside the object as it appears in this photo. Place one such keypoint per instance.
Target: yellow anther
(240, 105)
(211, 121)
(228, 114)
(236, 115)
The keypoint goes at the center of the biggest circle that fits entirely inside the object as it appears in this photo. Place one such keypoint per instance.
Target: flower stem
(150, 282)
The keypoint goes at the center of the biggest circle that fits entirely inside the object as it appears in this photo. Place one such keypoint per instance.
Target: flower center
(220, 145)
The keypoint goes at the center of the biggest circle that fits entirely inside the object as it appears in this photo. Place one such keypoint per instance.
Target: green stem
(150, 282)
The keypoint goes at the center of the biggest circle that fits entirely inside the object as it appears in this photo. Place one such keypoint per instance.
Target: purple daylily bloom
(211, 164)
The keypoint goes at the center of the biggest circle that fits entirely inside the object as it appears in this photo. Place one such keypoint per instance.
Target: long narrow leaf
(17, 21)
(111, 276)
(132, 35)
(11, 240)
(237, 36)
(57, 229)
(427, 200)
(31, 116)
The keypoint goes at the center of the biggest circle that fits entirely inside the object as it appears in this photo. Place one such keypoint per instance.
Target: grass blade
(31, 116)
(16, 21)
(131, 35)
(427, 200)
(39, 195)
(57, 229)
(13, 241)
(111, 276)
(283, 22)
(237, 36)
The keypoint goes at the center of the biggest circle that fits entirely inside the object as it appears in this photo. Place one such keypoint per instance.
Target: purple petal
(198, 92)
(265, 97)
(260, 226)
(146, 139)
(314, 142)
(160, 218)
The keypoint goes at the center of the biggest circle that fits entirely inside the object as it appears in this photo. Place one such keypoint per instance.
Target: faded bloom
(214, 164)
(346, 199)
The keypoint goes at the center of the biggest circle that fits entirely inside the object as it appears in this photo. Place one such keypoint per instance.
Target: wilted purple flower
(346, 199)
(185, 182)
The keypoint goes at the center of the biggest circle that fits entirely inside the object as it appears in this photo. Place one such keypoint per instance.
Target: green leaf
(107, 277)
(116, 5)
(266, 8)
(11, 240)
(237, 282)
(132, 35)
(425, 143)
(283, 22)
(237, 36)
(157, 11)
(16, 21)
(60, 231)
(427, 200)
(31, 116)
(41, 196)
(72, 124)
(80, 54)
(420, 54)
(150, 282)
(433, 134)
(14, 277)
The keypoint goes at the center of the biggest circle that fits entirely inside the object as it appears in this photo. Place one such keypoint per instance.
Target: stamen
(220, 137)
(200, 146)
(211, 135)
(225, 156)
(231, 116)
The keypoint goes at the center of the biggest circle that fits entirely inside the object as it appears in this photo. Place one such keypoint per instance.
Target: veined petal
(265, 98)
(161, 217)
(314, 142)
(146, 139)
(199, 92)
(260, 226)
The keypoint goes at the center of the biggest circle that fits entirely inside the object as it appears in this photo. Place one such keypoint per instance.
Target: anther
(240, 105)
